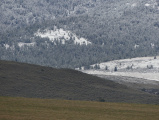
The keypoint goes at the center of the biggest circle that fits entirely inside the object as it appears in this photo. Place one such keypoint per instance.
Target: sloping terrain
(59, 35)
(24, 80)
(116, 29)
(141, 84)
(18, 13)
(138, 73)
(141, 67)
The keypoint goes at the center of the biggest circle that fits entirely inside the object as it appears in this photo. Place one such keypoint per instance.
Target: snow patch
(147, 5)
(136, 63)
(136, 46)
(6, 46)
(152, 45)
(21, 44)
(134, 5)
(62, 36)
(148, 76)
(152, 3)
(9, 46)
(141, 67)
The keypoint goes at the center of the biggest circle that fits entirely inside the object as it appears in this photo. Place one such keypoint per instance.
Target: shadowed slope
(24, 80)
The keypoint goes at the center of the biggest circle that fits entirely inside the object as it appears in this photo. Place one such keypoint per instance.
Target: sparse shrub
(106, 67)
(155, 57)
(80, 68)
(96, 67)
(91, 67)
(129, 67)
(150, 66)
(101, 99)
(115, 69)
(87, 67)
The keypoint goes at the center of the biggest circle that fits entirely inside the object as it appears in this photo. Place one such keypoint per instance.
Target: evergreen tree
(115, 68)
(106, 67)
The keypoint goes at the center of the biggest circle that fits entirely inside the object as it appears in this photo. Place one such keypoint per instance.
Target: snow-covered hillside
(142, 67)
(62, 36)
(147, 3)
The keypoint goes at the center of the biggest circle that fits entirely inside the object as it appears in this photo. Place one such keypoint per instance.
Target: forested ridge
(117, 29)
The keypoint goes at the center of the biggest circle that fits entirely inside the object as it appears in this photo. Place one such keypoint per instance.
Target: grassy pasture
(14, 108)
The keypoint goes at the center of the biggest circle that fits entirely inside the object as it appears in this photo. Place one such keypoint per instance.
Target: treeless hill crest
(25, 80)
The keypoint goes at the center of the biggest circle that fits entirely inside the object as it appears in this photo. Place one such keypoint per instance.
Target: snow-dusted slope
(62, 36)
(136, 64)
(143, 67)
(152, 3)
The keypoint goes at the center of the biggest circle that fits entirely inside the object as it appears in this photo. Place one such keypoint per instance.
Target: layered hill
(25, 80)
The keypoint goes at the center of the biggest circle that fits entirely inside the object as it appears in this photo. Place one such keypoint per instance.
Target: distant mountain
(45, 32)
(25, 80)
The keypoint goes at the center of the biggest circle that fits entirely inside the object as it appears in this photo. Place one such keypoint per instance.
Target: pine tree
(106, 67)
(115, 69)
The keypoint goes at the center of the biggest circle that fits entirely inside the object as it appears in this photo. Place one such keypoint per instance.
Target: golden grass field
(12, 108)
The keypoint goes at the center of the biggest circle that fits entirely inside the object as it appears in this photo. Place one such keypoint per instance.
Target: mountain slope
(20, 13)
(24, 80)
(116, 29)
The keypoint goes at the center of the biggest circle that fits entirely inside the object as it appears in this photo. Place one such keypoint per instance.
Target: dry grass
(47, 109)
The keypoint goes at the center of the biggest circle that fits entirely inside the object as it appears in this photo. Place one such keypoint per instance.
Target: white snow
(152, 45)
(61, 35)
(21, 44)
(148, 76)
(136, 46)
(134, 5)
(136, 63)
(9, 46)
(141, 67)
(81, 41)
(6, 46)
(151, 3)
(147, 5)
